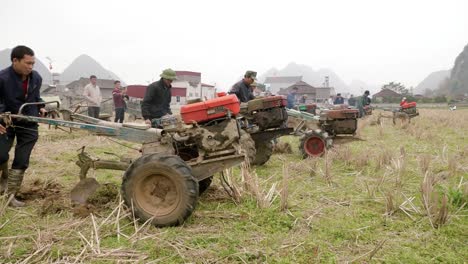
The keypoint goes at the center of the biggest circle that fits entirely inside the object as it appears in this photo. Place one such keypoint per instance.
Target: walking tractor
(178, 158)
(339, 121)
(265, 118)
(405, 112)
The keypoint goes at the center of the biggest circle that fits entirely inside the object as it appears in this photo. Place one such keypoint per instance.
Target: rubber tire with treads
(404, 117)
(264, 150)
(248, 146)
(204, 184)
(161, 187)
(314, 143)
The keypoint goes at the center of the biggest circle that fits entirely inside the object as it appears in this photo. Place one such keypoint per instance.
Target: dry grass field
(394, 194)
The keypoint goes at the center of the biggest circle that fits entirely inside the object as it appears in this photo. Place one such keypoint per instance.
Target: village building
(275, 83)
(386, 96)
(312, 94)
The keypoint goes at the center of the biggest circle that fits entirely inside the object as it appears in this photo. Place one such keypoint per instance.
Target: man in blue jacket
(19, 84)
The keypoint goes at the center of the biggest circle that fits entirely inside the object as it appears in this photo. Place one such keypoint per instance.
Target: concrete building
(303, 89)
(275, 83)
(313, 94)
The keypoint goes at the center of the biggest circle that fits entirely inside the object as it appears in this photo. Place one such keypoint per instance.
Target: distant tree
(440, 99)
(396, 87)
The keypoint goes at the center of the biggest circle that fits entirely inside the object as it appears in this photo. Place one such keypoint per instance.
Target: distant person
(338, 99)
(352, 101)
(92, 93)
(292, 97)
(403, 101)
(19, 84)
(157, 100)
(303, 99)
(253, 86)
(119, 95)
(242, 88)
(364, 100)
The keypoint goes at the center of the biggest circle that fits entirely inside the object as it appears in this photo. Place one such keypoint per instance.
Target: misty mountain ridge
(85, 66)
(432, 81)
(317, 78)
(456, 85)
(82, 66)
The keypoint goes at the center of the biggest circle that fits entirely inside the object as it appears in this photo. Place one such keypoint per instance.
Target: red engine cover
(210, 109)
(275, 101)
(408, 105)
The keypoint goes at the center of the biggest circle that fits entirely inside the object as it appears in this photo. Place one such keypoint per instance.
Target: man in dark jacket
(363, 101)
(157, 101)
(242, 88)
(338, 99)
(19, 84)
(291, 98)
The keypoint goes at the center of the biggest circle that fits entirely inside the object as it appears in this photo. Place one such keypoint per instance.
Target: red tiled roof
(189, 73)
(386, 93)
(178, 91)
(138, 91)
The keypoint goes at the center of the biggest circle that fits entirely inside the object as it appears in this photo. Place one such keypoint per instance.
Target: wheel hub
(314, 146)
(157, 194)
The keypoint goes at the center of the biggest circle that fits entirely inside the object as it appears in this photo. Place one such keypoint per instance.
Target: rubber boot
(3, 177)
(15, 178)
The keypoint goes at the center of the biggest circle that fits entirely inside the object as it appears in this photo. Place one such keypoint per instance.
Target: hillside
(432, 81)
(85, 66)
(457, 84)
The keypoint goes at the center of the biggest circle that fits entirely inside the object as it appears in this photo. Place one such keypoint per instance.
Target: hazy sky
(373, 41)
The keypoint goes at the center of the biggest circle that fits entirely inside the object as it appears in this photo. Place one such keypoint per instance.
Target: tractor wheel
(161, 188)
(314, 143)
(264, 150)
(248, 146)
(404, 117)
(204, 184)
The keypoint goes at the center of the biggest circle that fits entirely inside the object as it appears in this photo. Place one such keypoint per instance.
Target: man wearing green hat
(242, 88)
(157, 101)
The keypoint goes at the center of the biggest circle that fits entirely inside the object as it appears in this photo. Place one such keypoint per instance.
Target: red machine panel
(408, 105)
(210, 109)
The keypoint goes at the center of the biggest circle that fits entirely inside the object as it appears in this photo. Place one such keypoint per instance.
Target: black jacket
(242, 91)
(12, 94)
(157, 101)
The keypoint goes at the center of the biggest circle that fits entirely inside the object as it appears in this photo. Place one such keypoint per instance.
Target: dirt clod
(282, 147)
(104, 194)
(40, 189)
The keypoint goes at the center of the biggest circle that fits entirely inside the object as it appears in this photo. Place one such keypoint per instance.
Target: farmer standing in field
(363, 101)
(92, 93)
(242, 88)
(119, 96)
(157, 100)
(19, 84)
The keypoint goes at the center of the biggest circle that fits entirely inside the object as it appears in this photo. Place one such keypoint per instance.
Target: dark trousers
(119, 115)
(26, 137)
(93, 111)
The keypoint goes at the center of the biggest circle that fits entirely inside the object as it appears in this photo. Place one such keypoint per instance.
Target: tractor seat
(141, 126)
